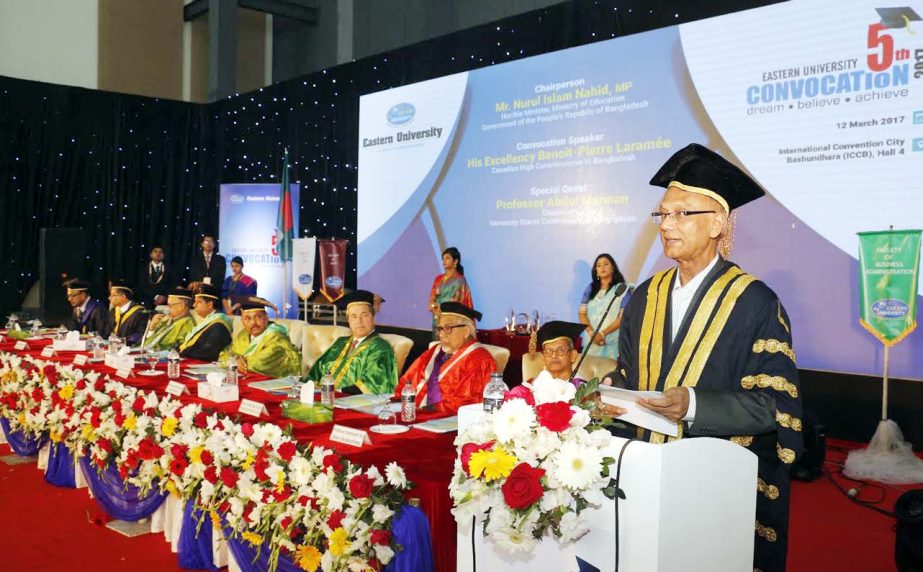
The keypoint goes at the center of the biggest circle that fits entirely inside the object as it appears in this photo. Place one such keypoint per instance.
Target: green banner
(889, 271)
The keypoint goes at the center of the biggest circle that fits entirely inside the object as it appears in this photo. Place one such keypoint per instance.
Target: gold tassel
(726, 245)
(533, 343)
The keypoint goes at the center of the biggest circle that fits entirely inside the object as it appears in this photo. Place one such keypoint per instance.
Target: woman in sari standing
(450, 286)
(605, 276)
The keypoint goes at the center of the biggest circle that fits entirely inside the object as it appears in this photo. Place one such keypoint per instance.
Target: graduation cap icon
(897, 17)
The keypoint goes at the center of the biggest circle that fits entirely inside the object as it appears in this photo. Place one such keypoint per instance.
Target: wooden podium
(690, 507)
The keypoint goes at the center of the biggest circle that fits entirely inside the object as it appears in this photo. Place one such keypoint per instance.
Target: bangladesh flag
(285, 231)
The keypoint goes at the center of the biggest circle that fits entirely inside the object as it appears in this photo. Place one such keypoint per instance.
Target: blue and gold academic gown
(734, 348)
(94, 319)
(130, 324)
(208, 339)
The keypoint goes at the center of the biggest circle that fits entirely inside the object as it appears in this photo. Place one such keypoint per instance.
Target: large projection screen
(532, 168)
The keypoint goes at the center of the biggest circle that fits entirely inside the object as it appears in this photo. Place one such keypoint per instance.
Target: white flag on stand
(303, 253)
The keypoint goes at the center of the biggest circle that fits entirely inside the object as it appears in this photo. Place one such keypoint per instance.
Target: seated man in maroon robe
(454, 371)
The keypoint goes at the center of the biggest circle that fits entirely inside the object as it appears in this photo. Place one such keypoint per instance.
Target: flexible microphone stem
(619, 290)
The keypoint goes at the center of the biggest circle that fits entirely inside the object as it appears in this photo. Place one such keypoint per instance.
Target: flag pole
(884, 381)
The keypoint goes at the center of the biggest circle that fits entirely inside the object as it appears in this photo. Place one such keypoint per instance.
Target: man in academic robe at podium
(715, 340)
(362, 362)
(454, 371)
(127, 319)
(212, 334)
(263, 346)
(89, 314)
(208, 267)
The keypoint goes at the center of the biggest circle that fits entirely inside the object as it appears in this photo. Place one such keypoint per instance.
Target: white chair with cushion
(295, 330)
(317, 339)
(501, 355)
(592, 366)
(402, 346)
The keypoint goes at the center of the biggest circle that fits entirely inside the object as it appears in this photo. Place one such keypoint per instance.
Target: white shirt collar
(83, 307)
(124, 308)
(362, 339)
(693, 285)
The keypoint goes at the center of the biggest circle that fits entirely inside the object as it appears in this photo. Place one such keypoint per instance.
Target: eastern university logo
(890, 309)
(401, 114)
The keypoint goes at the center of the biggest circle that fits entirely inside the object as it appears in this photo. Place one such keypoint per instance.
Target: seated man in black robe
(213, 332)
(127, 319)
(89, 314)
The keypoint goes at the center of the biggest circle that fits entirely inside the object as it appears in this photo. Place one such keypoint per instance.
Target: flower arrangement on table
(530, 468)
(254, 480)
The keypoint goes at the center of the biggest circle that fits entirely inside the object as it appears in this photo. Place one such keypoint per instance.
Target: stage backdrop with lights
(247, 226)
(532, 168)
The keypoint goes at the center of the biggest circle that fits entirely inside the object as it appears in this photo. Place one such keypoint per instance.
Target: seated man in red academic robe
(454, 371)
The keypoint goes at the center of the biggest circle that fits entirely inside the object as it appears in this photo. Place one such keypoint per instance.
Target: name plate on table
(223, 393)
(120, 361)
(349, 436)
(254, 408)
(20, 346)
(176, 389)
(69, 345)
(48, 351)
(80, 359)
(123, 372)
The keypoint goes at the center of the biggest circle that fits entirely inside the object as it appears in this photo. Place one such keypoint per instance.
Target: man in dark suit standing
(155, 279)
(208, 267)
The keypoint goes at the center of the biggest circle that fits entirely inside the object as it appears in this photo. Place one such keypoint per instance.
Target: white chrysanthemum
(581, 417)
(513, 540)
(323, 484)
(600, 438)
(514, 420)
(554, 498)
(577, 466)
(247, 489)
(381, 513)
(395, 475)
(335, 499)
(374, 474)
(384, 553)
(572, 527)
(300, 471)
(546, 389)
(545, 442)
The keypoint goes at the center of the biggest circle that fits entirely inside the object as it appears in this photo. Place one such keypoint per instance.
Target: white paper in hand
(628, 400)
(215, 378)
(307, 393)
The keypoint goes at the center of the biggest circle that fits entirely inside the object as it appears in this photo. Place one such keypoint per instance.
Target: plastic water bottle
(99, 352)
(408, 404)
(232, 371)
(173, 364)
(327, 388)
(494, 392)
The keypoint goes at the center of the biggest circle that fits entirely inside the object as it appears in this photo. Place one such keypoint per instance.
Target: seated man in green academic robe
(168, 331)
(363, 361)
(262, 346)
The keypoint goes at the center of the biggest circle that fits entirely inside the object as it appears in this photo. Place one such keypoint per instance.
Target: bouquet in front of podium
(532, 466)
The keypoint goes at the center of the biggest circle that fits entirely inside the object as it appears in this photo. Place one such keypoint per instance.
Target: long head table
(427, 458)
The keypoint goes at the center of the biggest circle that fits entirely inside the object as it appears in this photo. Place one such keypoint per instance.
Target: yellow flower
(216, 520)
(338, 542)
(307, 558)
(249, 460)
(195, 454)
(130, 422)
(87, 433)
(55, 436)
(66, 392)
(168, 426)
(281, 486)
(171, 488)
(252, 537)
(492, 465)
(21, 418)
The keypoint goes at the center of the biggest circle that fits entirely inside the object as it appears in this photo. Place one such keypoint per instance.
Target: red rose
(335, 519)
(283, 495)
(82, 384)
(259, 467)
(138, 405)
(200, 420)
(178, 450)
(333, 461)
(286, 522)
(105, 445)
(379, 536)
(520, 392)
(361, 486)
(228, 477)
(37, 394)
(100, 384)
(554, 416)
(287, 450)
(211, 474)
(51, 374)
(178, 412)
(132, 459)
(206, 458)
(523, 487)
(246, 429)
(95, 418)
(469, 449)
(178, 465)
(116, 406)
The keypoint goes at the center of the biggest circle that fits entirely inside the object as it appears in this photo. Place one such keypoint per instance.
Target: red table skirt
(427, 458)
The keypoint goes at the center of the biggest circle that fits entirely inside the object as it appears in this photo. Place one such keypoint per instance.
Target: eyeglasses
(448, 329)
(555, 352)
(676, 216)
